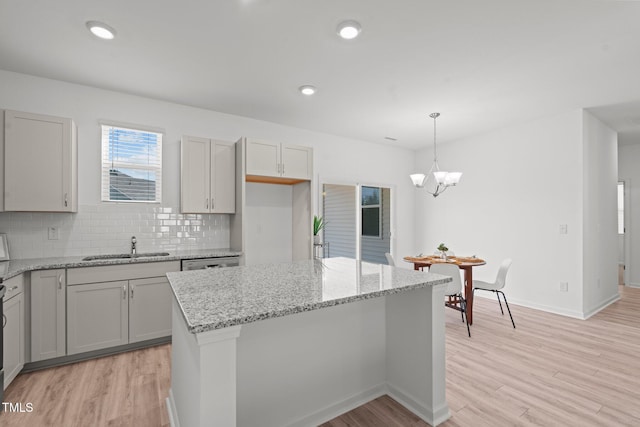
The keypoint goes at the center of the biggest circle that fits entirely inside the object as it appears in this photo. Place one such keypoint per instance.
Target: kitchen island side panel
(307, 368)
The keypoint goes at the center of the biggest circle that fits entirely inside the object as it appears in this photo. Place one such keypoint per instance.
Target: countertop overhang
(219, 298)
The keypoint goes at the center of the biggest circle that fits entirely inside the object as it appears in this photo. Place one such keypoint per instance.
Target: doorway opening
(621, 234)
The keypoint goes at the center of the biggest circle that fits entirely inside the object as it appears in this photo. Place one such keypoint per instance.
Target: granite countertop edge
(201, 328)
(19, 266)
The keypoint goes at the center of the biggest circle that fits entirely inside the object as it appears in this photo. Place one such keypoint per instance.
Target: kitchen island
(297, 344)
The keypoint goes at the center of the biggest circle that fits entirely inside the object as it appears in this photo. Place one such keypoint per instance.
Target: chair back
(501, 278)
(390, 260)
(454, 287)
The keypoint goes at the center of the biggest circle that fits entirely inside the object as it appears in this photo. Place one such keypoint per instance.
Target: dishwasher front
(217, 262)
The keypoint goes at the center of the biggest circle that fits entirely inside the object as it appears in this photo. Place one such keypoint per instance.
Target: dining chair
(390, 259)
(454, 288)
(496, 286)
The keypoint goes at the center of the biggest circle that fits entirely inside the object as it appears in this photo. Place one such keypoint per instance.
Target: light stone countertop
(219, 298)
(9, 269)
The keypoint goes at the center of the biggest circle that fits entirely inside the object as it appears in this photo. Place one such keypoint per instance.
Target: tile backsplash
(107, 228)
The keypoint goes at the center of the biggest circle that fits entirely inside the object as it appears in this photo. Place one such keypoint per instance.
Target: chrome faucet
(133, 245)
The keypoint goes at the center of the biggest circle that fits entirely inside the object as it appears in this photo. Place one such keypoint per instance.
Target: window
(371, 212)
(131, 165)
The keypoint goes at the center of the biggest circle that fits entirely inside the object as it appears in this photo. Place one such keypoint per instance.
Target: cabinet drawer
(108, 273)
(14, 286)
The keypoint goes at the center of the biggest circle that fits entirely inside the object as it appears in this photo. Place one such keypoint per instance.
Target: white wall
(600, 207)
(269, 223)
(342, 158)
(519, 185)
(629, 172)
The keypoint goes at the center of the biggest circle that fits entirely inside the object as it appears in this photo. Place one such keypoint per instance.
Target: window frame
(107, 163)
(378, 206)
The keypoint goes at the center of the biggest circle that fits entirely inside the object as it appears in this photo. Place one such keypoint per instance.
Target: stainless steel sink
(125, 256)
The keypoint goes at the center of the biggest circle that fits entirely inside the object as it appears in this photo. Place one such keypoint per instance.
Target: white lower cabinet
(97, 316)
(149, 309)
(128, 309)
(48, 311)
(13, 329)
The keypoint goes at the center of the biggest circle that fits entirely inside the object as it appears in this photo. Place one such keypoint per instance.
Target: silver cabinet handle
(13, 288)
(131, 290)
(206, 203)
(283, 169)
(4, 321)
(60, 281)
(124, 291)
(65, 200)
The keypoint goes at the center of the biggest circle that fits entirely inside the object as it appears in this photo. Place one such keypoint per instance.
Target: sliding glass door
(339, 212)
(358, 221)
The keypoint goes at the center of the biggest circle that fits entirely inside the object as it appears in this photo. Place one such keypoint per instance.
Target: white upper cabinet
(40, 163)
(297, 162)
(269, 159)
(208, 170)
(263, 158)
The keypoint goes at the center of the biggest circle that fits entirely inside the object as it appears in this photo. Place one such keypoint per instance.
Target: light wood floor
(551, 370)
(126, 390)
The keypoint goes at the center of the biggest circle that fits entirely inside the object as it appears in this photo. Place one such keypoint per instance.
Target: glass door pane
(375, 237)
(339, 212)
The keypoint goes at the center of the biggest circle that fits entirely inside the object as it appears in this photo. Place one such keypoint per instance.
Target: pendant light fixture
(442, 179)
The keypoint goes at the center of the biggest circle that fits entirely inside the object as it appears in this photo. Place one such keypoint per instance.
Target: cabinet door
(97, 316)
(38, 163)
(13, 337)
(195, 175)
(223, 177)
(263, 158)
(297, 162)
(48, 305)
(149, 309)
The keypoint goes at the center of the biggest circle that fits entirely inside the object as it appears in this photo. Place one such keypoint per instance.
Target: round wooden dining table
(464, 263)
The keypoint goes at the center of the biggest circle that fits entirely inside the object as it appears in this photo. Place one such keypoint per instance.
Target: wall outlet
(563, 228)
(54, 233)
(564, 286)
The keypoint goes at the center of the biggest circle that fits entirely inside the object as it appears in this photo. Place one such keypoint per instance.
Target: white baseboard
(569, 313)
(171, 410)
(633, 285)
(339, 408)
(548, 308)
(602, 306)
(432, 416)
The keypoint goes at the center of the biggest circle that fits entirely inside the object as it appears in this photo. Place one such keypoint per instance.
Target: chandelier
(441, 179)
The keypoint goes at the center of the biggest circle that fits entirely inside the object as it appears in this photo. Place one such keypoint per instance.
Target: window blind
(131, 165)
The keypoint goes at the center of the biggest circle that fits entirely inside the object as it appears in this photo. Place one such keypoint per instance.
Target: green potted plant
(443, 250)
(318, 225)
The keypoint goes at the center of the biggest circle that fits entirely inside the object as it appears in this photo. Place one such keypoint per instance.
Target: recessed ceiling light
(349, 30)
(102, 30)
(307, 90)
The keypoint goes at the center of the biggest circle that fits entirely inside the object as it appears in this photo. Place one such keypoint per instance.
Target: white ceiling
(482, 64)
